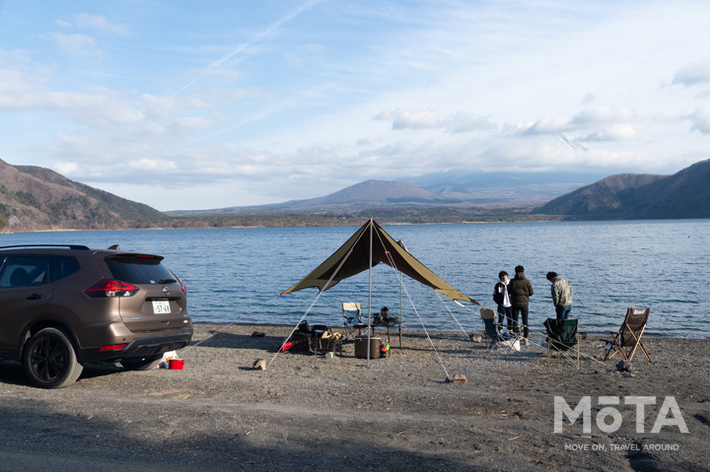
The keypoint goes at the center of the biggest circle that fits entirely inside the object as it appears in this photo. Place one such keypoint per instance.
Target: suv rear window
(139, 270)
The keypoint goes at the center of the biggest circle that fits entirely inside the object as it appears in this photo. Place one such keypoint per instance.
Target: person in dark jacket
(520, 290)
(502, 299)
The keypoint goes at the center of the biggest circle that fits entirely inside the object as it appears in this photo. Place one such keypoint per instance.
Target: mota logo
(609, 418)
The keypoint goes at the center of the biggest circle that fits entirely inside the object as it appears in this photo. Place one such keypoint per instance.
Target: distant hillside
(371, 194)
(685, 194)
(606, 198)
(36, 198)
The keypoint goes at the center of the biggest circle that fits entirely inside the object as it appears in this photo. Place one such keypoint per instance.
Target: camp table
(389, 325)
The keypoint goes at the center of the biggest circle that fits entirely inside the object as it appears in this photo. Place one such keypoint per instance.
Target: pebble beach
(307, 411)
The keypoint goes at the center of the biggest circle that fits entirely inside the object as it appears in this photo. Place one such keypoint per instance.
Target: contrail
(243, 47)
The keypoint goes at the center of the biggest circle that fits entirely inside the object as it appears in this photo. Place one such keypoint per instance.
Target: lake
(236, 275)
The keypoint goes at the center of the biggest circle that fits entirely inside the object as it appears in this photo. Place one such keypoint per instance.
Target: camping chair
(352, 320)
(498, 340)
(627, 339)
(563, 339)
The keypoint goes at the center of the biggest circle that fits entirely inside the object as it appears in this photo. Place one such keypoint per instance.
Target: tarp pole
(401, 313)
(369, 299)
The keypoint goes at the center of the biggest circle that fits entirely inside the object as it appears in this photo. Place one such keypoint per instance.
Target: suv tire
(50, 360)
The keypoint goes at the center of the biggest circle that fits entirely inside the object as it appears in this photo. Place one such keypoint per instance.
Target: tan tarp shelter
(369, 246)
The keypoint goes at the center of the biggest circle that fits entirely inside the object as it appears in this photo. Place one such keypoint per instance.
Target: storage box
(361, 347)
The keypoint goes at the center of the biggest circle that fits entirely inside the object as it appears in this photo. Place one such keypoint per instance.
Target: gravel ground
(308, 412)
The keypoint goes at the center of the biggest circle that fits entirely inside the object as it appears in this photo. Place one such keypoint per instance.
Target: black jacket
(499, 293)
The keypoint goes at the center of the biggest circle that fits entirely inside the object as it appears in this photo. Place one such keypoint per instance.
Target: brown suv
(64, 306)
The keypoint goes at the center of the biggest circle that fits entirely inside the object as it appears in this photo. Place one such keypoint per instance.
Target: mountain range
(453, 189)
(36, 198)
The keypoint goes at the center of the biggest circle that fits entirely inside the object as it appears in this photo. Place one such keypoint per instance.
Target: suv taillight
(111, 288)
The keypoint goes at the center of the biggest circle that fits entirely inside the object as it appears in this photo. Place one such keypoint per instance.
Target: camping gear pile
(315, 339)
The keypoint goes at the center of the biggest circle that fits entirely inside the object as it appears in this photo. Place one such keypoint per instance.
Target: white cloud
(618, 132)
(98, 23)
(550, 125)
(691, 75)
(191, 124)
(99, 110)
(79, 45)
(161, 108)
(66, 168)
(151, 165)
(701, 120)
(464, 122)
(404, 119)
(599, 123)
(603, 114)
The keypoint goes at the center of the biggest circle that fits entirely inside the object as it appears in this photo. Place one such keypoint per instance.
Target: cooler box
(361, 347)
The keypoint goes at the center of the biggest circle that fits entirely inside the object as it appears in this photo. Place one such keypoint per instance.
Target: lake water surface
(235, 275)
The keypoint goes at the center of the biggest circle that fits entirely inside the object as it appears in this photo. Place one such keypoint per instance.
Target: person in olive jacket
(520, 290)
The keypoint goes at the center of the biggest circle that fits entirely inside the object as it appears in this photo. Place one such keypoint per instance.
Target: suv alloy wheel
(50, 360)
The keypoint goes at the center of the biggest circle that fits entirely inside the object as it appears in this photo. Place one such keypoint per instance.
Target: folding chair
(499, 339)
(627, 339)
(563, 339)
(352, 320)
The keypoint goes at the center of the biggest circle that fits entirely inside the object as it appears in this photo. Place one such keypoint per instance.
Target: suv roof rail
(70, 246)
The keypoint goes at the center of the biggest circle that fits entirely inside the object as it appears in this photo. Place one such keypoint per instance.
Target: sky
(187, 105)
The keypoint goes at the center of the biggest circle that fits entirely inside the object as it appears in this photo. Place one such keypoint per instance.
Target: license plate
(161, 307)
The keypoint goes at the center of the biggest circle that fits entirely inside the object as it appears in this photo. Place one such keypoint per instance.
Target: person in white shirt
(502, 299)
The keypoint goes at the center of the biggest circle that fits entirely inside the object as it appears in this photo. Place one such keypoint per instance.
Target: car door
(24, 288)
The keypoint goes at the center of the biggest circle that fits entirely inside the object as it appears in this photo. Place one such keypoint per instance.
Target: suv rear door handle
(34, 296)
